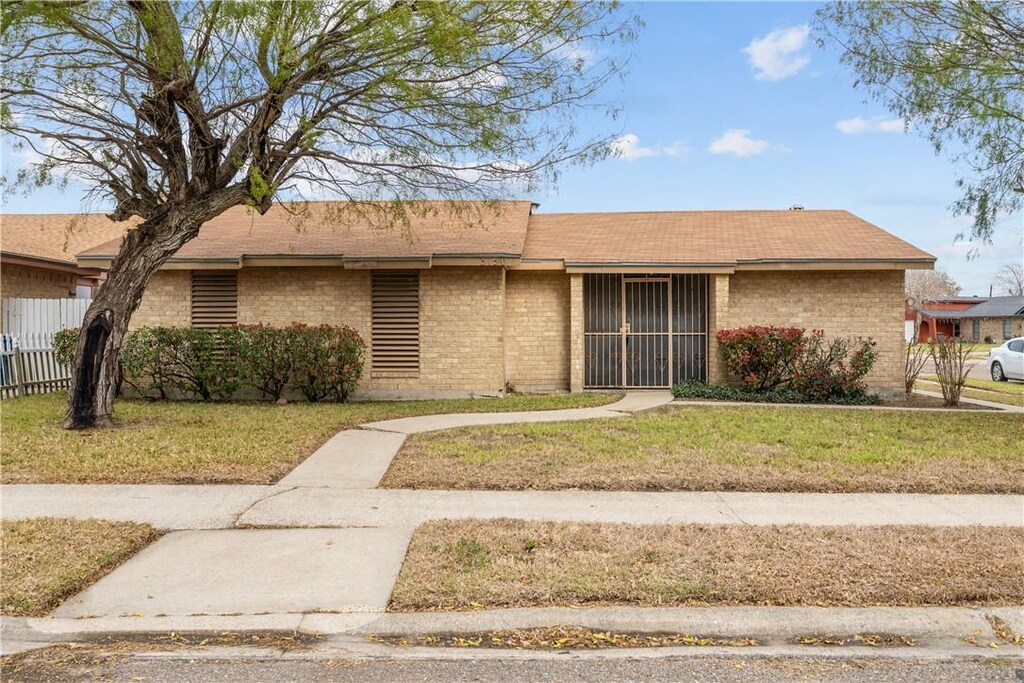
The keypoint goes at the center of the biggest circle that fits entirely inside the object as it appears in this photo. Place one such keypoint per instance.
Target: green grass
(1012, 388)
(185, 442)
(979, 394)
(702, 448)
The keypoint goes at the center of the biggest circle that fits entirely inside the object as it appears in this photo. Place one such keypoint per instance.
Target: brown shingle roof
(337, 229)
(436, 228)
(707, 237)
(56, 236)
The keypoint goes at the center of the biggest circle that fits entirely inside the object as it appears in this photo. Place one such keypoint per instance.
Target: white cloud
(575, 51)
(627, 147)
(737, 142)
(779, 54)
(876, 124)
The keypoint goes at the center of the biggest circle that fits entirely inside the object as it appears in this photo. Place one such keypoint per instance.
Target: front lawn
(185, 442)
(720, 448)
(46, 560)
(462, 565)
(1011, 388)
(1003, 397)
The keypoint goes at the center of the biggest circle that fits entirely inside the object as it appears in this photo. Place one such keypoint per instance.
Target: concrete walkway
(975, 401)
(358, 458)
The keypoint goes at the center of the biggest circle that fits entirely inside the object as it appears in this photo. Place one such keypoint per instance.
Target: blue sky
(731, 106)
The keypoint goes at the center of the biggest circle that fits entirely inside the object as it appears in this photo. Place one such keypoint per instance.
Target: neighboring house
(469, 301)
(973, 318)
(940, 318)
(1000, 317)
(37, 254)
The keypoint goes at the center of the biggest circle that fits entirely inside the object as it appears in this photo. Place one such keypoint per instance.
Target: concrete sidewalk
(224, 507)
(330, 507)
(165, 506)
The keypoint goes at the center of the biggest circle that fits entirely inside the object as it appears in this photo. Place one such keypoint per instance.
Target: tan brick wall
(461, 321)
(537, 330)
(36, 283)
(576, 330)
(991, 327)
(718, 318)
(462, 313)
(842, 303)
(167, 300)
(281, 296)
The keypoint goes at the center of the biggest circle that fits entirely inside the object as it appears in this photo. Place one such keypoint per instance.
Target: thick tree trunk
(94, 375)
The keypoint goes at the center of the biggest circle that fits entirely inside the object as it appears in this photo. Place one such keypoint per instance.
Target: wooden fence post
(19, 372)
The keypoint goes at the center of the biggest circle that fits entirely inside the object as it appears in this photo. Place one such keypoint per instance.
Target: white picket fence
(27, 364)
(35, 321)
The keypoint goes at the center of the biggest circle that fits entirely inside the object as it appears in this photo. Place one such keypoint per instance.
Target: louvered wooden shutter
(214, 298)
(396, 321)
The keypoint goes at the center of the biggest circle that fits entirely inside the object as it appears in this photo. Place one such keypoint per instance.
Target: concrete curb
(957, 631)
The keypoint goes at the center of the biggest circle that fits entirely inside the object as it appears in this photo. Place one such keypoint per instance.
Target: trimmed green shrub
(188, 359)
(322, 362)
(64, 344)
(327, 360)
(725, 392)
(142, 363)
(266, 356)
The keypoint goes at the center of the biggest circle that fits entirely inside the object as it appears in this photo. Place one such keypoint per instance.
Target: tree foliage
(174, 112)
(150, 103)
(953, 71)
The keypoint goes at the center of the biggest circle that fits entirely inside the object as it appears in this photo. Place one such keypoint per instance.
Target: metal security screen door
(646, 335)
(644, 331)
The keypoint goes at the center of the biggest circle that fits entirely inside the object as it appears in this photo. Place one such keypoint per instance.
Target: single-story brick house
(999, 317)
(973, 318)
(37, 254)
(480, 299)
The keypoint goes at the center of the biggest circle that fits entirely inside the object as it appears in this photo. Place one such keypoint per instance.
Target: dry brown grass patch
(472, 564)
(46, 560)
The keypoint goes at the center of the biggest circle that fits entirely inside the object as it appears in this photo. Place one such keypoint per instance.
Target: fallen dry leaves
(561, 638)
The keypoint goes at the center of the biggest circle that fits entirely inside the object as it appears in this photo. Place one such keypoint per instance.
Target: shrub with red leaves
(769, 357)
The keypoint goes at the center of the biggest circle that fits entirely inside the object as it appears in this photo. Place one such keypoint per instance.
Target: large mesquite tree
(173, 112)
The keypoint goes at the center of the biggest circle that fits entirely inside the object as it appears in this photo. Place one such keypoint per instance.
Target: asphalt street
(706, 669)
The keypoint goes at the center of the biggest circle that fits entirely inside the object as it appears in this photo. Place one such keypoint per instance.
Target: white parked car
(1007, 361)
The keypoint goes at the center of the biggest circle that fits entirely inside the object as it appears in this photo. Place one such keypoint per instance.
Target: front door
(646, 335)
(644, 331)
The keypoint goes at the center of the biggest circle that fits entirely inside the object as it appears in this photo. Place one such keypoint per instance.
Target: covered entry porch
(644, 330)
